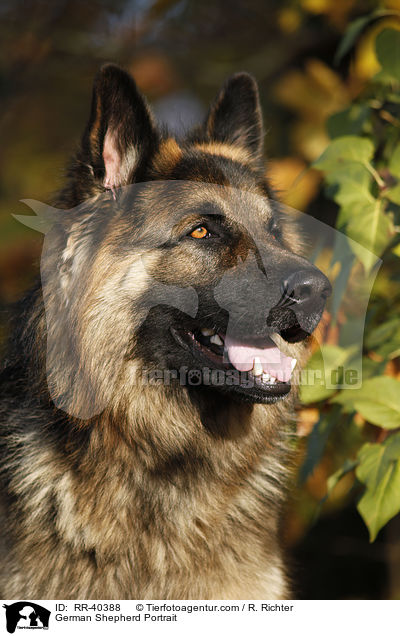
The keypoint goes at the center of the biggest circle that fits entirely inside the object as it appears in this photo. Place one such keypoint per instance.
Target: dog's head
(182, 257)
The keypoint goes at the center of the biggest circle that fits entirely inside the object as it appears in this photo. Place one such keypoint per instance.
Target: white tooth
(216, 340)
(207, 332)
(272, 380)
(293, 363)
(266, 377)
(257, 367)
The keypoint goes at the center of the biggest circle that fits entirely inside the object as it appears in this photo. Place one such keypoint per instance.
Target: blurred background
(180, 52)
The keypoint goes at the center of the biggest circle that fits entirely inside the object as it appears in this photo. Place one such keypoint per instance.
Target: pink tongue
(272, 359)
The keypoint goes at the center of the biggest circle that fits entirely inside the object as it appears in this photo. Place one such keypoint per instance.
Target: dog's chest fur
(100, 517)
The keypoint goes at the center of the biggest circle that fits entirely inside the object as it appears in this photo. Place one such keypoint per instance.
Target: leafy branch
(361, 171)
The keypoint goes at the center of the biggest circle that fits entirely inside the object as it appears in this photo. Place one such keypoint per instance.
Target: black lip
(258, 392)
(259, 395)
(294, 333)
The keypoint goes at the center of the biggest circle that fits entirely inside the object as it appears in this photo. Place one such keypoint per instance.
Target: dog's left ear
(120, 135)
(235, 116)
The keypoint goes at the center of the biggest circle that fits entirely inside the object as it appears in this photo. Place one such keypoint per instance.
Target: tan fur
(236, 153)
(168, 156)
(94, 133)
(199, 547)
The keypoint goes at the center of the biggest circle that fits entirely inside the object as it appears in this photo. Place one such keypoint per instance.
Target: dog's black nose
(306, 286)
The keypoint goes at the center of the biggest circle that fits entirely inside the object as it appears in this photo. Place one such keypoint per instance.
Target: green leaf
(396, 250)
(344, 149)
(353, 183)
(387, 47)
(343, 217)
(372, 229)
(383, 78)
(393, 194)
(384, 332)
(320, 377)
(378, 400)
(372, 368)
(390, 350)
(394, 98)
(353, 31)
(379, 470)
(394, 163)
(349, 121)
(348, 466)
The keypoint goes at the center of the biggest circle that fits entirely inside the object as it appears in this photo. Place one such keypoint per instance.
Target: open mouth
(262, 373)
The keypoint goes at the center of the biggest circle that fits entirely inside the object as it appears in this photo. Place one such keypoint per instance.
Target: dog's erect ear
(235, 116)
(120, 135)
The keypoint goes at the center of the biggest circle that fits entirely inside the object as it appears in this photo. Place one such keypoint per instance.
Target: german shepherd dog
(149, 389)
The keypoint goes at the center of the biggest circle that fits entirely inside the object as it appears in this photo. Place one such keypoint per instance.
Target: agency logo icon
(26, 615)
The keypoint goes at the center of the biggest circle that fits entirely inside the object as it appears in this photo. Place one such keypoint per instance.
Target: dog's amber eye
(200, 232)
